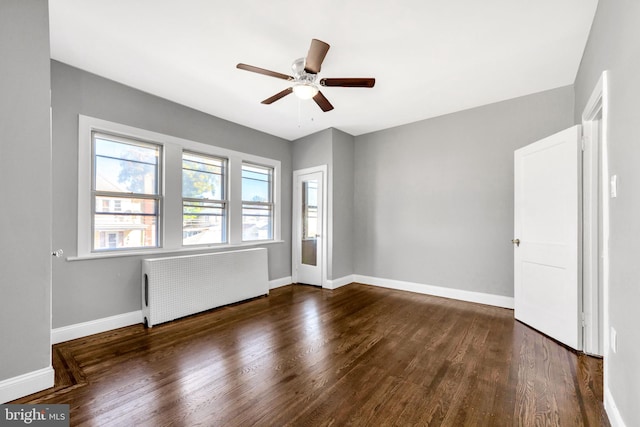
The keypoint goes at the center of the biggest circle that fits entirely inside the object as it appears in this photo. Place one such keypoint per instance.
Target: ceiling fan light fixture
(304, 82)
(305, 90)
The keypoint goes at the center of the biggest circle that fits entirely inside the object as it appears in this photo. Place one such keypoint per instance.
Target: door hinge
(583, 143)
(583, 319)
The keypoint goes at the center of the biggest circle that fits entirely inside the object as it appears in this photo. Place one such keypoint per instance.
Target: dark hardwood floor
(303, 356)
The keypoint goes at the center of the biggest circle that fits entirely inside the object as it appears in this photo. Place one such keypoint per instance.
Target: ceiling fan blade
(323, 102)
(315, 56)
(349, 82)
(277, 96)
(264, 71)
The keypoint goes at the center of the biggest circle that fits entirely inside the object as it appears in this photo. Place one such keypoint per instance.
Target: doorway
(309, 225)
(586, 304)
(595, 219)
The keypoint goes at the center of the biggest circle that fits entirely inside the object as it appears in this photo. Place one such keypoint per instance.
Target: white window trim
(171, 184)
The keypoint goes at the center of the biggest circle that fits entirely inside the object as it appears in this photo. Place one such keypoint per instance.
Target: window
(143, 192)
(257, 202)
(126, 193)
(204, 205)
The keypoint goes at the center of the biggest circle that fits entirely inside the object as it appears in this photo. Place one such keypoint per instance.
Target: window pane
(130, 168)
(125, 176)
(257, 208)
(203, 223)
(256, 183)
(202, 177)
(106, 147)
(256, 222)
(134, 226)
(122, 167)
(126, 205)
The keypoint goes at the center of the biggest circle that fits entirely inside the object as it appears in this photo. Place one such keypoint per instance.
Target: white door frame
(596, 222)
(295, 219)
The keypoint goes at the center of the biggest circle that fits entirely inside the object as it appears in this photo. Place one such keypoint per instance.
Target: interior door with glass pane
(308, 210)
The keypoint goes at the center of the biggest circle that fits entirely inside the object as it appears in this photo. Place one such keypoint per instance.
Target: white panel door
(547, 236)
(308, 216)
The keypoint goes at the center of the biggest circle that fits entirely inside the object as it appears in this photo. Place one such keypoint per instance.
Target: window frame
(269, 204)
(224, 200)
(170, 183)
(95, 193)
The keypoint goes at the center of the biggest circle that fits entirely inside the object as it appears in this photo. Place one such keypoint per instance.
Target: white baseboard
(336, 283)
(26, 384)
(439, 291)
(612, 410)
(283, 281)
(91, 327)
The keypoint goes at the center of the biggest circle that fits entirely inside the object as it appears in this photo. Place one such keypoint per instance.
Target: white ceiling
(429, 57)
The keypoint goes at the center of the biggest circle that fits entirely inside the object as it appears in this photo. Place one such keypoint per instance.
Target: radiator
(175, 287)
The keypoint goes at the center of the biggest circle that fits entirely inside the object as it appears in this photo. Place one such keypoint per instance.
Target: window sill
(166, 251)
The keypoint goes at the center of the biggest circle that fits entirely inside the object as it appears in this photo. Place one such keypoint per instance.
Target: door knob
(516, 242)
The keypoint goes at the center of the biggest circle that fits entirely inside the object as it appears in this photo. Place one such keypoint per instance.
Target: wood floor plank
(303, 356)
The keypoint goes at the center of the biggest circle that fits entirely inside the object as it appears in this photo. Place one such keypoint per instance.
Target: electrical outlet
(613, 337)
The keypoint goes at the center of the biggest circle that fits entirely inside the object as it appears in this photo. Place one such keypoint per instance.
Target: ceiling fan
(305, 77)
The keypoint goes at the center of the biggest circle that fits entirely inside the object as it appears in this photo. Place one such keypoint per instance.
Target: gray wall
(335, 149)
(343, 152)
(434, 199)
(93, 289)
(313, 150)
(25, 188)
(614, 45)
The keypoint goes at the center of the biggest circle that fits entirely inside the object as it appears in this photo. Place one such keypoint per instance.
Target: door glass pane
(309, 222)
